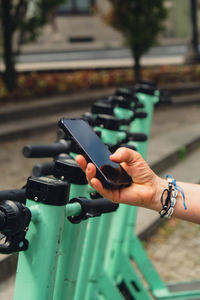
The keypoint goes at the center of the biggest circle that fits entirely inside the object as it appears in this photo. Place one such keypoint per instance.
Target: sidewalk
(96, 64)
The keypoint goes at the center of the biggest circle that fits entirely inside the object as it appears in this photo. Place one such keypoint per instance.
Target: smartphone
(111, 174)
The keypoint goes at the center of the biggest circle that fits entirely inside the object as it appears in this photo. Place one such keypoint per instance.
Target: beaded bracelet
(170, 195)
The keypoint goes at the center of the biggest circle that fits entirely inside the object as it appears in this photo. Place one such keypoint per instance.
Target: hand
(143, 189)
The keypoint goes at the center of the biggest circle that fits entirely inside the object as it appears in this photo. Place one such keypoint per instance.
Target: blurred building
(80, 24)
(89, 14)
(178, 21)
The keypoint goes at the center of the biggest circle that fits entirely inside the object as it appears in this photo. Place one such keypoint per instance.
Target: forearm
(192, 200)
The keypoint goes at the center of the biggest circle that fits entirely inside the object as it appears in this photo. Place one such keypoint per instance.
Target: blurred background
(59, 56)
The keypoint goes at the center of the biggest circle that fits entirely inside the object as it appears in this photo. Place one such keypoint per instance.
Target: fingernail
(115, 155)
(92, 181)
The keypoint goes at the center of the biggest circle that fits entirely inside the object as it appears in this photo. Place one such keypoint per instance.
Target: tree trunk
(10, 75)
(137, 68)
(193, 55)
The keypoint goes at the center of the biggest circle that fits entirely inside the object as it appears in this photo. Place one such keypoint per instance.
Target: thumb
(125, 155)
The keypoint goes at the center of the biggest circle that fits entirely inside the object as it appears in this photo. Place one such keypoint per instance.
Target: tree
(139, 21)
(21, 20)
(193, 55)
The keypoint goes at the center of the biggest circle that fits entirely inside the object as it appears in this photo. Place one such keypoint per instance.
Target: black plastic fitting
(90, 118)
(102, 108)
(120, 101)
(68, 170)
(145, 89)
(52, 150)
(92, 208)
(14, 221)
(47, 191)
(127, 92)
(2, 219)
(108, 122)
(43, 169)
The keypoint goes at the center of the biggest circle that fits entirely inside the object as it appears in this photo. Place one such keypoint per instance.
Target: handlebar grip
(140, 115)
(14, 195)
(43, 169)
(92, 208)
(138, 105)
(138, 137)
(52, 150)
(102, 205)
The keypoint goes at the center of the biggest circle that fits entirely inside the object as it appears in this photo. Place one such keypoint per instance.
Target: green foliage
(140, 21)
(28, 16)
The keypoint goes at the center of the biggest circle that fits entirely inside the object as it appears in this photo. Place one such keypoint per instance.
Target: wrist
(160, 185)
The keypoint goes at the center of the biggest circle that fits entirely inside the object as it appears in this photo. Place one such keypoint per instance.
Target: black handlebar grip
(138, 105)
(138, 137)
(14, 195)
(100, 205)
(43, 169)
(52, 150)
(140, 115)
(92, 208)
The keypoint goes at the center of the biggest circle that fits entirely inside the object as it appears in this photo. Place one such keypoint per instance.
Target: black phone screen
(96, 152)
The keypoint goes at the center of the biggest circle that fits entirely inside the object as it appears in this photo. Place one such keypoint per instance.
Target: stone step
(29, 109)
(49, 106)
(33, 126)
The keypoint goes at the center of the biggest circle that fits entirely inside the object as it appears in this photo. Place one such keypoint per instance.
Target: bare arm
(192, 200)
(147, 187)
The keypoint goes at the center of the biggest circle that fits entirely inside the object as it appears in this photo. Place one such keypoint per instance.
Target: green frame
(100, 258)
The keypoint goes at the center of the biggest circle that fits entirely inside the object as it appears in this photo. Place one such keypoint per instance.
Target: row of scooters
(57, 208)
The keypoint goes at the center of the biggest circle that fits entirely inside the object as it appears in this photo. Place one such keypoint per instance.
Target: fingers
(108, 194)
(81, 162)
(125, 155)
(88, 168)
(94, 182)
(90, 171)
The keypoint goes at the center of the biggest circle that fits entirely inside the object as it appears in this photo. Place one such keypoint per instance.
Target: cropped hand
(143, 189)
